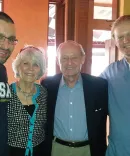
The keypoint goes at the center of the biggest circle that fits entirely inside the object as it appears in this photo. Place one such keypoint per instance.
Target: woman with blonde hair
(27, 108)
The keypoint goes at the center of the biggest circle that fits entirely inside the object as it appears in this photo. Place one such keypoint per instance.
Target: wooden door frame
(103, 24)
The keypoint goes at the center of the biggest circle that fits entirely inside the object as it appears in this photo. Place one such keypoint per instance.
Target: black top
(4, 98)
(30, 109)
(3, 74)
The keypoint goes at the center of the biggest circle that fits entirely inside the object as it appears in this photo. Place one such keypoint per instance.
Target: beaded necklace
(26, 95)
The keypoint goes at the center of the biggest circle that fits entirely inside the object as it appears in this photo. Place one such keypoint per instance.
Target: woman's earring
(17, 74)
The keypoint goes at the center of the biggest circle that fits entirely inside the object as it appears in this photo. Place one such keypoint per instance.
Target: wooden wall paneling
(31, 22)
(100, 24)
(83, 29)
(115, 9)
(60, 23)
(69, 19)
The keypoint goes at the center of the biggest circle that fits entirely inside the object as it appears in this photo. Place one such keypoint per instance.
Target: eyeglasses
(11, 40)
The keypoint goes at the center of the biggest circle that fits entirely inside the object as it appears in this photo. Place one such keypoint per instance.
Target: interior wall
(31, 20)
(124, 7)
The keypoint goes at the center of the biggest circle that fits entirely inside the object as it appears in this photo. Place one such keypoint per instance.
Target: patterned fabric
(18, 120)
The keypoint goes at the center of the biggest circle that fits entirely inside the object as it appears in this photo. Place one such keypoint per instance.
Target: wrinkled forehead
(29, 57)
(70, 48)
(123, 26)
(7, 29)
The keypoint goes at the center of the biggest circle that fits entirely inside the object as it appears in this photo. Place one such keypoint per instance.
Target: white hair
(71, 42)
(37, 56)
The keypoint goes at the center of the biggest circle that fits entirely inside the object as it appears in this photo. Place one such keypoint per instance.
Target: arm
(3, 111)
(103, 74)
(48, 140)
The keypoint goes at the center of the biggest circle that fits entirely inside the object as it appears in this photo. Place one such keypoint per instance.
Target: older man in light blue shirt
(77, 107)
(68, 123)
(118, 76)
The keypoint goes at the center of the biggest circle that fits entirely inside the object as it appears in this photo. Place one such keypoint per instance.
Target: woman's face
(28, 70)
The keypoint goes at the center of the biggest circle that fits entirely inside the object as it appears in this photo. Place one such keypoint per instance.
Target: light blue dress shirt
(70, 114)
(118, 76)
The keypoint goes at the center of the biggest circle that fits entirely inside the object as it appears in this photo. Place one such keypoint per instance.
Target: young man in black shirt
(7, 44)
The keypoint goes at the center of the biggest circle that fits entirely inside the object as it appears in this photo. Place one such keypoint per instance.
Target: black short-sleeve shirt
(5, 95)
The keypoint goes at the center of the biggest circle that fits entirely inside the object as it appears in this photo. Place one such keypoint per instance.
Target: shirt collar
(63, 83)
(127, 62)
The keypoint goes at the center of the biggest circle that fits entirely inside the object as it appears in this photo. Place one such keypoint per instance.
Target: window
(51, 52)
(105, 12)
(0, 5)
(100, 58)
(103, 9)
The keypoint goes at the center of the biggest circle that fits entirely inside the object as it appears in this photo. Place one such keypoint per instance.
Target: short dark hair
(118, 21)
(5, 17)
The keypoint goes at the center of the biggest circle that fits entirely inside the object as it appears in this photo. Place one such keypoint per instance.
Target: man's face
(70, 60)
(122, 38)
(6, 48)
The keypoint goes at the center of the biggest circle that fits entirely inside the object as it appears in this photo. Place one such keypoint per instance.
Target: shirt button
(71, 103)
(70, 116)
(71, 129)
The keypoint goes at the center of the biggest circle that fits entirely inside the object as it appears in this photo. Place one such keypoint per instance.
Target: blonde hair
(37, 56)
(120, 20)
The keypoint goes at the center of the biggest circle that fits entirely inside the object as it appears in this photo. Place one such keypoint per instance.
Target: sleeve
(46, 145)
(104, 74)
(44, 83)
(3, 113)
(3, 74)
(44, 95)
(106, 96)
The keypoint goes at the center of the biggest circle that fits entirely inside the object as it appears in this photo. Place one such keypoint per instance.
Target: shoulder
(12, 86)
(41, 88)
(93, 79)
(114, 64)
(112, 69)
(3, 73)
(97, 85)
(41, 92)
(50, 79)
